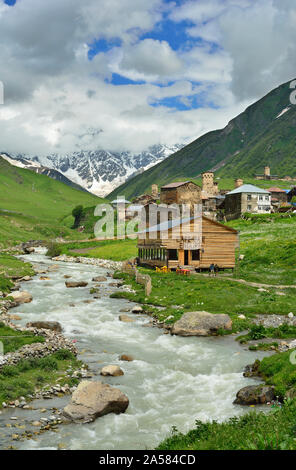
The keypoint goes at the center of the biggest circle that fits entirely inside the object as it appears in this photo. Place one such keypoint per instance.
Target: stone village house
(247, 198)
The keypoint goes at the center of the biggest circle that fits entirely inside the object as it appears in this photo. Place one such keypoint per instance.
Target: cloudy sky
(126, 74)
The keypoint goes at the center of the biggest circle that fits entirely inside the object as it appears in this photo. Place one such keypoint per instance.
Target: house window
(249, 208)
(195, 255)
(249, 197)
(266, 198)
(260, 198)
(173, 255)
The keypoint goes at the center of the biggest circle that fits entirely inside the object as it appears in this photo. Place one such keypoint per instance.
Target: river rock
(113, 371)
(29, 250)
(53, 267)
(46, 325)
(99, 279)
(92, 400)
(126, 357)
(126, 319)
(201, 324)
(252, 370)
(70, 284)
(255, 395)
(21, 297)
(137, 309)
(26, 278)
(14, 317)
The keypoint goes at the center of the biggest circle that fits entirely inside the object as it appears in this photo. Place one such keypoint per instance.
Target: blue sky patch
(102, 45)
(173, 33)
(121, 80)
(184, 103)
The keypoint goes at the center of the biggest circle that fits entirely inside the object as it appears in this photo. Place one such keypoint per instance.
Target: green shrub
(48, 363)
(9, 371)
(63, 354)
(257, 332)
(53, 250)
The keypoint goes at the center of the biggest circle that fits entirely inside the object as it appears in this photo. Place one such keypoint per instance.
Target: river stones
(255, 395)
(126, 357)
(99, 279)
(71, 284)
(201, 324)
(46, 325)
(126, 319)
(21, 297)
(113, 371)
(137, 309)
(28, 250)
(53, 267)
(14, 317)
(92, 400)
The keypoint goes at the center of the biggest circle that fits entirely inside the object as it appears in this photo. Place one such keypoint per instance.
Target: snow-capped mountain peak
(100, 172)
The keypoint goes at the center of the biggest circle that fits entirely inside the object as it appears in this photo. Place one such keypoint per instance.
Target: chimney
(238, 182)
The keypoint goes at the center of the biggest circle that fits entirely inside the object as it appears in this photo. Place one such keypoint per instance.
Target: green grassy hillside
(249, 142)
(36, 207)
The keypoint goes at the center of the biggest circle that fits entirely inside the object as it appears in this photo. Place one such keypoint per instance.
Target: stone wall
(143, 279)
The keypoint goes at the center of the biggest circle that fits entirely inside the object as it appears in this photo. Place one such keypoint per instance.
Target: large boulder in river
(70, 284)
(137, 309)
(46, 325)
(255, 395)
(113, 371)
(21, 297)
(126, 319)
(201, 324)
(99, 279)
(126, 357)
(94, 399)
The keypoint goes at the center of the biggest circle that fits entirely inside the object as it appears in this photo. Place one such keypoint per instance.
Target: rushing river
(173, 381)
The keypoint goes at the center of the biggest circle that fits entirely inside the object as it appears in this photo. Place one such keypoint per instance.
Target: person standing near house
(212, 270)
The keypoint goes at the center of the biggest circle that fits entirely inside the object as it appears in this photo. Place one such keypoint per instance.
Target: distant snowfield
(20, 163)
(99, 172)
(283, 112)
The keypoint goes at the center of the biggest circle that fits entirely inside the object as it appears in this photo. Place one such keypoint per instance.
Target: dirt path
(249, 283)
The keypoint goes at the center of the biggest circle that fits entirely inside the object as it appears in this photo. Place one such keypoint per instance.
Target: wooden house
(188, 243)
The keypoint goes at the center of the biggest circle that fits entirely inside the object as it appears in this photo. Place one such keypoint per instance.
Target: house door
(186, 257)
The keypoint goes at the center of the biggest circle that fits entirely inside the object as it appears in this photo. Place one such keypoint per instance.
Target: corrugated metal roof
(276, 190)
(168, 224)
(120, 201)
(248, 188)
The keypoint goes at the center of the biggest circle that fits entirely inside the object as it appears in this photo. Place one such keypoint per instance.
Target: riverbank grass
(31, 375)
(115, 250)
(11, 267)
(275, 430)
(12, 340)
(178, 294)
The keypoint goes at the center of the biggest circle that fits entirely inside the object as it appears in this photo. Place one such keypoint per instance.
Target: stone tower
(267, 172)
(239, 182)
(208, 183)
(154, 191)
